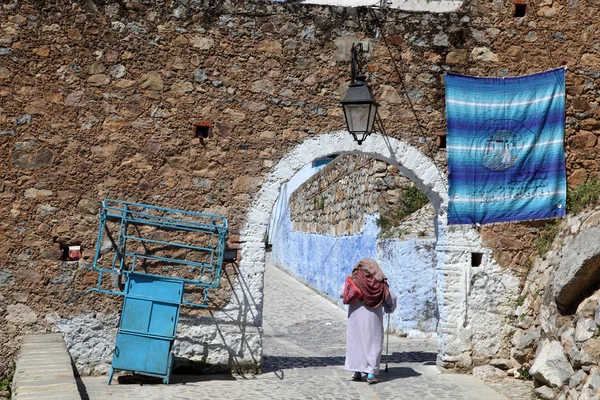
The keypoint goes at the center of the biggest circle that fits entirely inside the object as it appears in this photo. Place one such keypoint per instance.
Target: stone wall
(556, 318)
(335, 200)
(515, 245)
(98, 100)
(407, 5)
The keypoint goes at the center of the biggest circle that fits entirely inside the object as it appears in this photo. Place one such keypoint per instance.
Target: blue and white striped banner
(505, 142)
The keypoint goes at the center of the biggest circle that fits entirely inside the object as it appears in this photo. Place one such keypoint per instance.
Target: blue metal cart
(156, 271)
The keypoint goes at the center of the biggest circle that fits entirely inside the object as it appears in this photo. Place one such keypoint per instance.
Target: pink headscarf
(371, 281)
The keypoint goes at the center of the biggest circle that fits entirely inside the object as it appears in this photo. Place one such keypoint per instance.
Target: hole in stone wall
(230, 255)
(441, 140)
(71, 252)
(520, 8)
(202, 129)
(476, 259)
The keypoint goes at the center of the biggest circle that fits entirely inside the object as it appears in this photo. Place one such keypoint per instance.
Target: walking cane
(387, 344)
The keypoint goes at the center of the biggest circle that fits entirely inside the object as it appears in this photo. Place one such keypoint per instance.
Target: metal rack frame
(124, 262)
(151, 302)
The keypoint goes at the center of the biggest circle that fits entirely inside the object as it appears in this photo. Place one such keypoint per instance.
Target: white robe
(364, 335)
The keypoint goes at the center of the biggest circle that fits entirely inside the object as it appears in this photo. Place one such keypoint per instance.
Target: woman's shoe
(357, 376)
(371, 379)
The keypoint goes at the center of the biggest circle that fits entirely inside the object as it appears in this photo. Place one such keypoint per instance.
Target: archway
(453, 246)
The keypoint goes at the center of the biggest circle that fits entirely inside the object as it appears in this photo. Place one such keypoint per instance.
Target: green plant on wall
(520, 300)
(6, 381)
(319, 202)
(527, 266)
(5, 386)
(547, 235)
(411, 200)
(583, 195)
(384, 223)
(524, 374)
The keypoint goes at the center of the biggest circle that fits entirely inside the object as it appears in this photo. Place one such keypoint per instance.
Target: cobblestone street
(303, 359)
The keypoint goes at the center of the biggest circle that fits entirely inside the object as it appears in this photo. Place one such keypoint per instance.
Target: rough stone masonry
(98, 98)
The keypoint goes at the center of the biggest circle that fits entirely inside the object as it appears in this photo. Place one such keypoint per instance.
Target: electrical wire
(544, 40)
(380, 27)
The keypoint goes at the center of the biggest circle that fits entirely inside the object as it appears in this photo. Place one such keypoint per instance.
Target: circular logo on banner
(501, 150)
(500, 143)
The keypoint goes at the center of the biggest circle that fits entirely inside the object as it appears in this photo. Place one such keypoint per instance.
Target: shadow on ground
(397, 373)
(175, 379)
(278, 363)
(391, 374)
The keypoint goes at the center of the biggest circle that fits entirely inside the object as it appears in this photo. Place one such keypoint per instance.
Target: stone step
(46, 338)
(44, 370)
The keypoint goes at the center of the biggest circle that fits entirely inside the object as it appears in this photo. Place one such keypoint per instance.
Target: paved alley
(303, 359)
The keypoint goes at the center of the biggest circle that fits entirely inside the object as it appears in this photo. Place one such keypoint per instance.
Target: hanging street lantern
(359, 104)
(360, 109)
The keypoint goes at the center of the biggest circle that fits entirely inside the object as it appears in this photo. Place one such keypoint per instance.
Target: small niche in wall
(520, 8)
(476, 259)
(441, 140)
(71, 252)
(202, 129)
(230, 255)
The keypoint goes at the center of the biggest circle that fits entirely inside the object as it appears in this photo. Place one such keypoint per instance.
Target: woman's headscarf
(371, 281)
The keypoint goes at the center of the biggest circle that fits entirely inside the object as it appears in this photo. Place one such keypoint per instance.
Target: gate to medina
(453, 245)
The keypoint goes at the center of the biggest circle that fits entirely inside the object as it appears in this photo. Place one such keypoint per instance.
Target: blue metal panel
(152, 301)
(135, 316)
(133, 244)
(148, 325)
(149, 317)
(156, 288)
(142, 354)
(163, 321)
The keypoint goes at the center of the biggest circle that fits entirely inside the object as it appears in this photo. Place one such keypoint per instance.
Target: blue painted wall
(319, 260)
(323, 262)
(410, 268)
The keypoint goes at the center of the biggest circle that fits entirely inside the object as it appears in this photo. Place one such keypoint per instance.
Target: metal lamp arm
(356, 61)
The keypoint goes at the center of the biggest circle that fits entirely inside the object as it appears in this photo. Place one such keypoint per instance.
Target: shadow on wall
(223, 341)
(201, 350)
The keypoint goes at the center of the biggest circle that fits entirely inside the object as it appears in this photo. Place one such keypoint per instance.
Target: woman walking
(368, 295)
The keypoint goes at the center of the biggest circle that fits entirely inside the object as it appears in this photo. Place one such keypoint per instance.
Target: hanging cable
(544, 40)
(380, 27)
